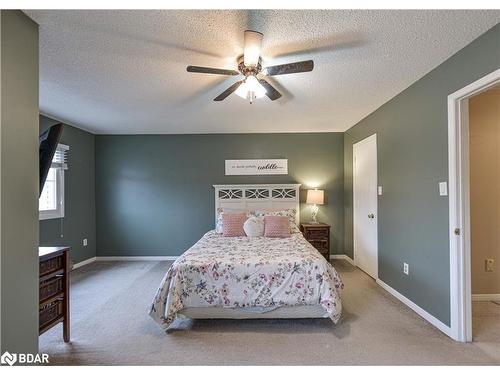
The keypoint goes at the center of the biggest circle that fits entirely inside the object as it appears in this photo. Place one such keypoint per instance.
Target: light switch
(380, 190)
(443, 189)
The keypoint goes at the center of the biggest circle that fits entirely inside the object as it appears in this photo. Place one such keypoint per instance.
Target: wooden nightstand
(319, 236)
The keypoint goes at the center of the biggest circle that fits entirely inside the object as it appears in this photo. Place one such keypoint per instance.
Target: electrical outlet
(379, 190)
(490, 265)
(84, 242)
(406, 269)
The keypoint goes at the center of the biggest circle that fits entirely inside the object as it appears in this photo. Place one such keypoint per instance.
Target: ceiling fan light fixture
(253, 46)
(251, 89)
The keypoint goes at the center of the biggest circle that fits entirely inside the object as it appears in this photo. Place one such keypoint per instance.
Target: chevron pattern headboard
(257, 196)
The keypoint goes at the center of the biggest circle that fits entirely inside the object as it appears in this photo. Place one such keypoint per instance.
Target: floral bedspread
(240, 272)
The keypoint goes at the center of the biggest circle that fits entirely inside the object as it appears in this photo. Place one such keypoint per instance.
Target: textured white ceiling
(124, 72)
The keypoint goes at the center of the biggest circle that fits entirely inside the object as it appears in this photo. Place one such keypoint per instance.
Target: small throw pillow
(220, 211)
(288, 212)
(254, 226)
(276, 226)
(232, 225)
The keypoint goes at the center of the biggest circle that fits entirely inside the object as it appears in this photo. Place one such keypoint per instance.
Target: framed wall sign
(256, 166)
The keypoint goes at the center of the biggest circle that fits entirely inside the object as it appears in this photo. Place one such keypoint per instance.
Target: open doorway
(462, 195)
(484, 182)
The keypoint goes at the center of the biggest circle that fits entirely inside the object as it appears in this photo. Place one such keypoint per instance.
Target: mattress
(256, 277)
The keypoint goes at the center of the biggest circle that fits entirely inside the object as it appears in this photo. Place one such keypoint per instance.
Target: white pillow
(254, 226)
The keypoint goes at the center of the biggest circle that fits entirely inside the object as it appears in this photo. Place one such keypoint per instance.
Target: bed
(250, 277)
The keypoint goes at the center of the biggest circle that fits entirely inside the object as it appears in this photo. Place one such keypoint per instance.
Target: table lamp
(315, 197)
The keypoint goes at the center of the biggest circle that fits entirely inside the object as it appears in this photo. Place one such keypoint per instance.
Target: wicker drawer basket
(51, 287)
(320, 245)
(50, 312)
(317, 234)
(51, 265)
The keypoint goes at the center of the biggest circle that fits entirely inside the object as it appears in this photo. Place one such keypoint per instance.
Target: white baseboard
(342, 257)
(118, 258)
(137, 258)
(83, 263)
(486, 297)
(424, 314)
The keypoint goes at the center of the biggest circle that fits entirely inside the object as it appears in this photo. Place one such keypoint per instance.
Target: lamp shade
(315, 196)
(253, 44)
(251, 86)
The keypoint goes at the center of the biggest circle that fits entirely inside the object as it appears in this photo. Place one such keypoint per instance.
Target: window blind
(60, 159)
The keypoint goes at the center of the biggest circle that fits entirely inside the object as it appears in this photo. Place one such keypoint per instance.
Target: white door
(365, 234)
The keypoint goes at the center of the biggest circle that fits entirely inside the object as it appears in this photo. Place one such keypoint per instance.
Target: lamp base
(314, 213)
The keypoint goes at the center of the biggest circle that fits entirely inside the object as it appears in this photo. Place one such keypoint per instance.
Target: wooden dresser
(319, 236)
(54, 289)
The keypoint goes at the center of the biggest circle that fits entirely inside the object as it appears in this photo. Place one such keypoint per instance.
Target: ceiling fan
(254, 84)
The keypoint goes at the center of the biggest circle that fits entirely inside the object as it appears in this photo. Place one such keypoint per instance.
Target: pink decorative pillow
(220, 211)
(276, 226)
(288, 212)
(232, 225)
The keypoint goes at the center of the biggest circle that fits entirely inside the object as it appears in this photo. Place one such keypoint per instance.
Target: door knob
(371, 216)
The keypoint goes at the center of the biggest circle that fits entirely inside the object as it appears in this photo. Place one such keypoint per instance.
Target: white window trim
(59, 212)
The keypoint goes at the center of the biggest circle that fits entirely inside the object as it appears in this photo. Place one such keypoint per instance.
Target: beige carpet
(486, 327)
(110, 326)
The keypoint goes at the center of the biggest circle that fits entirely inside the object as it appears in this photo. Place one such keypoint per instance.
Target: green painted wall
(79, 189)
(19, 182)
(154, 192)
(412, 158)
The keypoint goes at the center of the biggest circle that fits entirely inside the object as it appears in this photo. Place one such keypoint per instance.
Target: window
(51, 202)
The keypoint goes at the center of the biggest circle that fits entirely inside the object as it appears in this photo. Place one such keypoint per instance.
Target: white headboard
(258, 196)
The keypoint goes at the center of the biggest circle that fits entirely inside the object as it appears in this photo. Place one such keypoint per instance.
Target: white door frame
(374, 135)
(459, 205)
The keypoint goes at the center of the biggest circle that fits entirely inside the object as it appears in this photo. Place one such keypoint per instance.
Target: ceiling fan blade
(253, 45)
(296, 67)
(271, 92)
(203, 69)
(228, 91)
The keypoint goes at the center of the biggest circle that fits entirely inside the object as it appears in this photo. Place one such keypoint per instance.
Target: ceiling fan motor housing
(249, 70)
